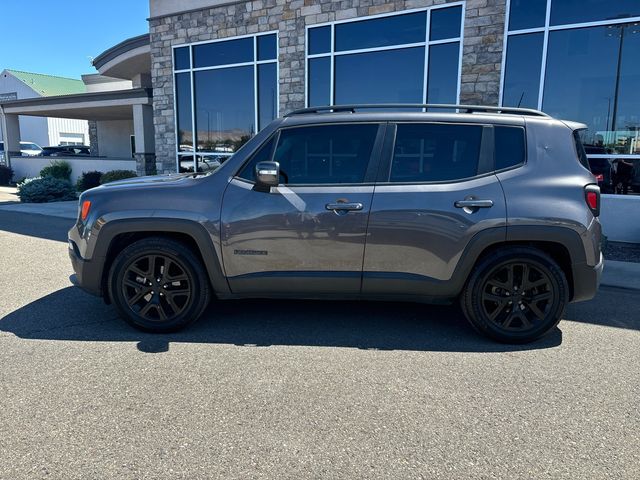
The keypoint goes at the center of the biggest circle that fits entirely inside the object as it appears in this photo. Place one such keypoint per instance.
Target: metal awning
(111, 105)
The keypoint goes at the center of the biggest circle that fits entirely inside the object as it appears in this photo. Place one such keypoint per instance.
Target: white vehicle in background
(27, 149)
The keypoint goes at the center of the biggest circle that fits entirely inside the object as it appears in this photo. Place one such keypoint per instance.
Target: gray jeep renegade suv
(493, 206)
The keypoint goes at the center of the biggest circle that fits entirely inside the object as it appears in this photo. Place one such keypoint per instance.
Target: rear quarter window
(509, 147)
(582, 154)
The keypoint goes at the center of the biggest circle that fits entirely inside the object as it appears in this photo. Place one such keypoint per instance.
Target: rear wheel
(158, 285)
(515, 295)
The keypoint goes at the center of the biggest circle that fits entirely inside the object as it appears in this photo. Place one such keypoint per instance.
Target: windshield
(29, 146)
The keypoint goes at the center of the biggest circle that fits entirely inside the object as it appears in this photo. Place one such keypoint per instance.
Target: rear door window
(510, 146)
(435, 152)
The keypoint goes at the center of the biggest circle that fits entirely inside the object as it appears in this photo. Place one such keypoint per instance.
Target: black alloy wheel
(515, 295)
(159, 285)
(156, 287)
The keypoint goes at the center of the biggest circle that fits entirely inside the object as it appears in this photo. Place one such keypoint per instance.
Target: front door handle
(474, 204)
(343, 206)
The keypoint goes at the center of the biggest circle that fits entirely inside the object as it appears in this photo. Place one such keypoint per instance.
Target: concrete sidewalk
(53, 209)
(8, 194)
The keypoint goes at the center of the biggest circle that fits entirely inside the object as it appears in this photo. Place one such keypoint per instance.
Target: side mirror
(267, 174)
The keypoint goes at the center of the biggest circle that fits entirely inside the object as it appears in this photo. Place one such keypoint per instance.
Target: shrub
(114, 175)
(48, 189)
(88, 180)
(6, 174)
(57, 169)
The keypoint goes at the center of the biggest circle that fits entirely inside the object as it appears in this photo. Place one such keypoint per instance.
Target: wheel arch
(117, 235)
(562, 244)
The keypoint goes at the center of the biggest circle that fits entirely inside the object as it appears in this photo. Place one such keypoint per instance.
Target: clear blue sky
(58, 37)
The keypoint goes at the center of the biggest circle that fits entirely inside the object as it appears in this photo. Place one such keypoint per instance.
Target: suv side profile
(491, 206)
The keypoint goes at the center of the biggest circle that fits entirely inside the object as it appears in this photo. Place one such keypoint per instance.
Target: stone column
(11, 136)
(144, 139)
(93, 138)
(482, 52)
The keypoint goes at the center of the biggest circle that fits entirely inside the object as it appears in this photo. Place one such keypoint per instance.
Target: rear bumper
(586, 280)
(88, 275)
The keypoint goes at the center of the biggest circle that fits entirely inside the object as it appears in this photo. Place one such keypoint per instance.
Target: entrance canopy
(111, 105)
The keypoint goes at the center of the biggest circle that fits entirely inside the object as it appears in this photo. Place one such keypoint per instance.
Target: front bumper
(88, 274)
(586, 280)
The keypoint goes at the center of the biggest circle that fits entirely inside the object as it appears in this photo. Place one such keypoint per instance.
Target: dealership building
(212, 73)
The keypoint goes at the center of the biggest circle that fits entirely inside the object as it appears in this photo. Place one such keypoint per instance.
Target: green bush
(114, 175)
(47, 189)
(88, 180)
(6, 174)
(57, 169)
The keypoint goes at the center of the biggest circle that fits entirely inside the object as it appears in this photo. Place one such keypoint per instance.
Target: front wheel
(515, 295)
(158, 285)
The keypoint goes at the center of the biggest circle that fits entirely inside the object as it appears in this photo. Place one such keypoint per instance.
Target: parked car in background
(349, 203)
(602, 170)
(66, 150)
(205, 163)
(28, 149)
(624, 173)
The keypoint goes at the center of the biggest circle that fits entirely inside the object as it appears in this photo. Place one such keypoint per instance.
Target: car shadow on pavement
(40, 226)
(70, 314)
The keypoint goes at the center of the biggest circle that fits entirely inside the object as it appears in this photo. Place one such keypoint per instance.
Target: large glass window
(381, 32)
(359, 78)
(527, 14)
(443, 67)
(583, 72)
(436, 152)
(224, 108)
(327, 154)
(184, 125)
(522, 70)
(229, 95)
(564, 12)
(383, 59)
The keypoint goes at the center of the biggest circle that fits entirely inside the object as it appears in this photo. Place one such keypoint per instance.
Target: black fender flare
(494, 237)
(201, 236)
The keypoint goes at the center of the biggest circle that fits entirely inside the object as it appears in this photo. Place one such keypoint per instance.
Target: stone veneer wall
(482, 50)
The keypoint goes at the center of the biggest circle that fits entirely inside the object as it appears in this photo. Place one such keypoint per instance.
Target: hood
(153, 181)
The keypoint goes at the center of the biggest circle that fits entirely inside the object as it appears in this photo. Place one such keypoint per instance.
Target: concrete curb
(621, 275)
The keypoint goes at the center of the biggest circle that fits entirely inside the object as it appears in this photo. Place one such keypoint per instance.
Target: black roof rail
(395, 106)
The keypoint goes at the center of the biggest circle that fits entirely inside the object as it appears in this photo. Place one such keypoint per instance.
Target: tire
(164, 298)
(496, 305)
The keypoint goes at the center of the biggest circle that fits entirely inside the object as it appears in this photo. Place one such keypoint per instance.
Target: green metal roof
(49, 85)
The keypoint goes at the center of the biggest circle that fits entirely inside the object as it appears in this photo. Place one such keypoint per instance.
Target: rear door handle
(343, 206)
(474, 204)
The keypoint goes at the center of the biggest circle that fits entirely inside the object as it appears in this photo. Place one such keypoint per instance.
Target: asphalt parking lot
(281, 389)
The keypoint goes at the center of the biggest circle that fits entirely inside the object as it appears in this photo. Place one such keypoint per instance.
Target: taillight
(599, 177)
(84, 211)
(592, 197)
